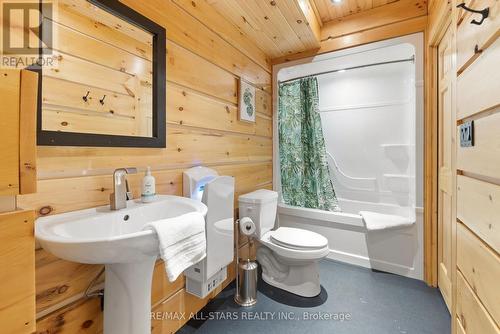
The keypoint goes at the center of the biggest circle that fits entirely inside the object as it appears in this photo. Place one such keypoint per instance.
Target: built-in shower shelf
(399, 154)
(399, 183)
(397, 150)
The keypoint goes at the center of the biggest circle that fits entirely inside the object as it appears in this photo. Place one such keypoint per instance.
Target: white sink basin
(105, 236)
(115, 238)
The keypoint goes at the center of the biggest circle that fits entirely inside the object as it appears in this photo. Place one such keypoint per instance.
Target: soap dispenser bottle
(148, 187)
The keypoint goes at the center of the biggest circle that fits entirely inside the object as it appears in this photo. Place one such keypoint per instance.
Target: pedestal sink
(116, 239)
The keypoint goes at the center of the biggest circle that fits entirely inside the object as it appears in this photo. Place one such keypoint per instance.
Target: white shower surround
(379, 166)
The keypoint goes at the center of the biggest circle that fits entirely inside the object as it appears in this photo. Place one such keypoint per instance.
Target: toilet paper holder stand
(246, 272)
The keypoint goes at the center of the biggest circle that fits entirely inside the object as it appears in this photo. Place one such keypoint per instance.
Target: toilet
(288, 256)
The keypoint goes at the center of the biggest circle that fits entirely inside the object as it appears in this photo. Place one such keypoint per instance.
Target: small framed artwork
(246, 101)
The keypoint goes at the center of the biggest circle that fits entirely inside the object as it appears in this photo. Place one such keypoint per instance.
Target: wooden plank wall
(476, 264)
(203, 66)
(17, 307)
(10, 83)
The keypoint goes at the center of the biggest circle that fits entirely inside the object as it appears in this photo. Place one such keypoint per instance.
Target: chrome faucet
(121, 192)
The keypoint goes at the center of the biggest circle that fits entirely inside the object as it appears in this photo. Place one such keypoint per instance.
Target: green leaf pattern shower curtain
(305, 181)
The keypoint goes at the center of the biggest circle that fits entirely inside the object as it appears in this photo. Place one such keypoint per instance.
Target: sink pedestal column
(127, 297)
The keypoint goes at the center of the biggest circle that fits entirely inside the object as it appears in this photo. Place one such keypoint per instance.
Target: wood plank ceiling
(328, 10)
(278, 27)
(284, 27)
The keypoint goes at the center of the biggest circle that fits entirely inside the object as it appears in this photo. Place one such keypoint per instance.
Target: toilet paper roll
(247, 226)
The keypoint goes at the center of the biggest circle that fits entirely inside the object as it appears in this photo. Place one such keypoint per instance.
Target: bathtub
(397, 251)
(374, 146)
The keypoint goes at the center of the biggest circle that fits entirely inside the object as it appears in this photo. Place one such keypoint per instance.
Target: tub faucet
(121, 192)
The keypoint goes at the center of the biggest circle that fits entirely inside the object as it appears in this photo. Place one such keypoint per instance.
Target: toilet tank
(260, 206)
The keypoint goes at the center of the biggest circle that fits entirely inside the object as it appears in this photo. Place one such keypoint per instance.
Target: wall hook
(484, 12)
(101, 101)
(86, 97)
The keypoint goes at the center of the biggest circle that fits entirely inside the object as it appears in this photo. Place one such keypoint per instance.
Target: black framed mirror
(106, 85)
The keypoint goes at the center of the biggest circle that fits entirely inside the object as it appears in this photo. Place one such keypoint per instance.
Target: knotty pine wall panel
(203, 70)
(194, 35)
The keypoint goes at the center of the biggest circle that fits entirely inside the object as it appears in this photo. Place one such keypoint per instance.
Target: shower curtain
(305, 181)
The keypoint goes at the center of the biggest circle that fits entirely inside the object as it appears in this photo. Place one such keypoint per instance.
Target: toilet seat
(294, 253)
(299, 239)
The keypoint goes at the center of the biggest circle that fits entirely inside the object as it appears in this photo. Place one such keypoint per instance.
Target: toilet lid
(298, 238)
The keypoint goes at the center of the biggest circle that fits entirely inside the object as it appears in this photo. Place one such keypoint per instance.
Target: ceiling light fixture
(336, 1)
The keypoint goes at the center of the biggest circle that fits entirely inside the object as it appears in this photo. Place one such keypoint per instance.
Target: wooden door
(446, 130)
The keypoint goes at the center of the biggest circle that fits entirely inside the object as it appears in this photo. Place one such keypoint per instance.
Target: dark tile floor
(369, 302)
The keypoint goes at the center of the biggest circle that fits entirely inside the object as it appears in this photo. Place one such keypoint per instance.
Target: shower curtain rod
(412, 59)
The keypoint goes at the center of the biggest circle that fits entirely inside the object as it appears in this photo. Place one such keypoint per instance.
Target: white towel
(377, 221)
(182, 242)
